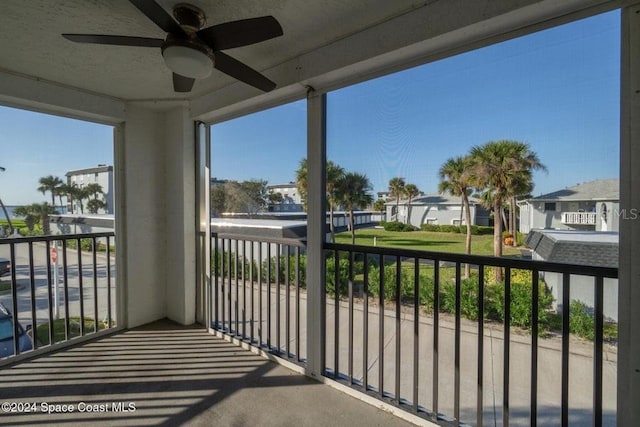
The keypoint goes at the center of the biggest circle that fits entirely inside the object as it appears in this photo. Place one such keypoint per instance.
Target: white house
(291, 200)
(436, 209)
(591, 206)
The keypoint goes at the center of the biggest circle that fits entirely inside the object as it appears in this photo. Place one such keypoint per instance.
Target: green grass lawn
(424, 240)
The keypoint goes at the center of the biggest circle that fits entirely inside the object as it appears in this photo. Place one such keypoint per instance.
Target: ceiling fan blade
(241, 33)
(242, 72)
(158, 15)
(182, 83)
(114, 40)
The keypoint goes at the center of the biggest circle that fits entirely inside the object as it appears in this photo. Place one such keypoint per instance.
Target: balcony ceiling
(30, 41)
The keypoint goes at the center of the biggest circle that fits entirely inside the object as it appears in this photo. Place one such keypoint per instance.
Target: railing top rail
(51, 238)
(524, 264)
(261, 239)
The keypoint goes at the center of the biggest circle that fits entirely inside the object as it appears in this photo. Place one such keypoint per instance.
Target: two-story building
(590, 206)
(102, 175)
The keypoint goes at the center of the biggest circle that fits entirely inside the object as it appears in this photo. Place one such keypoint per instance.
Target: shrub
(581, 320)
(430, 227)
(468, 298)
(398, 226)
(451, 228)
(343, 276)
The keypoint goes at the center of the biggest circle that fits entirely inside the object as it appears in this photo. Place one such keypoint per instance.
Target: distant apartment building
(291, 200)
(102, 175)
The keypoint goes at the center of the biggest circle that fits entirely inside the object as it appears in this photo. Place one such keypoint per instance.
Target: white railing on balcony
(579, 218)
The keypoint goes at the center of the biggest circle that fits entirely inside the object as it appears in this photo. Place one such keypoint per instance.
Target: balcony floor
(174, 375)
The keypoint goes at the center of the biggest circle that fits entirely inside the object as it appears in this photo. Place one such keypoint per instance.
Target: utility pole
(4, 209)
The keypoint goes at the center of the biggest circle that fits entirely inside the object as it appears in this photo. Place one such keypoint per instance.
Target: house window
(431, 221)
(550, 207)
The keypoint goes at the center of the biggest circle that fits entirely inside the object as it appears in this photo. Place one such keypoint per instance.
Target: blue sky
(557, 90)
(33, 145)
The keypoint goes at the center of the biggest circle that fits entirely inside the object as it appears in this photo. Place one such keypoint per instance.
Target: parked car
(5, 266)
(6, 334)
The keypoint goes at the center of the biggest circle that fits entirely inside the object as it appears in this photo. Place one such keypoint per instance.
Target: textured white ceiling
(30, 41)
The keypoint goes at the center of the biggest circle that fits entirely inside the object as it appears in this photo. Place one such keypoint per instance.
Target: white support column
(316, 218)
(203, 209)
(629, 283)
(156, 214)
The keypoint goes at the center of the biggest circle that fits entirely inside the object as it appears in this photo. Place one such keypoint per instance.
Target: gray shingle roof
(435, 199)
(600, 189)
(575, 247)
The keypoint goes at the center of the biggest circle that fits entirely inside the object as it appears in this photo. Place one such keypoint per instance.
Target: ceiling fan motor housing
(188, 56)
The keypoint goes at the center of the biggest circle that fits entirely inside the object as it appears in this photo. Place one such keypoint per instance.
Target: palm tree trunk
(497, 236)
(331, 229)
(512, 220)
(4, 209)
(353, 231)
(467, 243)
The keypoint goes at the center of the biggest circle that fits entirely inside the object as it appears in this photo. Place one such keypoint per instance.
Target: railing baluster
(436, 334)
(287, 309)
(109, 320)
(95, 283)
(456, 356)
(507, 338)
(32, 286)
(216, 281)
(298, 357)
(398, 331)
(416, 331)
(50, 294)
(278, 317)
(336, 320)
(350, 317)
(534, 346)
(223, 289)
(566, 281)
(480, 403)
(381, 329)
(236, 279)
(14, 300)
(269, 296)
(365, 320)
(597, 351)
(260, 327)
(80, 286)
(244, 290)
(229, 285)
(252, 303)
(65, 273)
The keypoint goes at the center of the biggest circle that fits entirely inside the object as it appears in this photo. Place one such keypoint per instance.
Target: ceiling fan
(191, 51)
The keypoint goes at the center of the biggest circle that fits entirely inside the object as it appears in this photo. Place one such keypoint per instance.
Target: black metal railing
(410, 329)
(256, 297)
(58, 288)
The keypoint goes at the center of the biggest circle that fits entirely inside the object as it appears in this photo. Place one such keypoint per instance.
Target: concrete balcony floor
(172, 375)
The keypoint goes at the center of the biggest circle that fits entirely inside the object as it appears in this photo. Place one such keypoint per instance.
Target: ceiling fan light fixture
(188, 61)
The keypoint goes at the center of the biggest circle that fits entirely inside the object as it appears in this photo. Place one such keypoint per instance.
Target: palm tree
(36, 213)
(411, 191)
(354, 192)
(455, 180)
(497, 167)
(396, 189)
(4, 209)
(92, 191)
(333, 174)
(52, 184)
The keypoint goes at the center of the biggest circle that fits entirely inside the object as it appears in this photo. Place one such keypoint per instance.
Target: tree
(497, 167)
(379, 205)
(218, 200)
(4, 209)
(353, 191)
(91, 193)
(396, 189)
(36, 213)
(455, 180)
(51, 184)
(411, 191)
(333, 174)
(276, 198)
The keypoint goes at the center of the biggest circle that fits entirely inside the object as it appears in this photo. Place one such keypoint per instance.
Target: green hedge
(397, 226)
